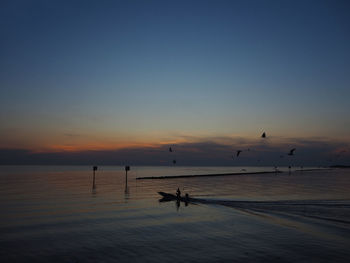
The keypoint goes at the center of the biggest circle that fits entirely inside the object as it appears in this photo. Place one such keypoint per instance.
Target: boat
(172, 197)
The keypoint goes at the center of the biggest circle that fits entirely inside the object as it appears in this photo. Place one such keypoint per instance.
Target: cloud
(210, 151)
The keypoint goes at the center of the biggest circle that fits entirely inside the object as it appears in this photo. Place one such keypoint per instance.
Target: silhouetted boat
(172, 197)
(291, 152)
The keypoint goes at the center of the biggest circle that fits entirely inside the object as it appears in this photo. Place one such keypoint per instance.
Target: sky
(110, 79)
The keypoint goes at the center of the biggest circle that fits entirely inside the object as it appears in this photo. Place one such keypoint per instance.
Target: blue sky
(87, 75)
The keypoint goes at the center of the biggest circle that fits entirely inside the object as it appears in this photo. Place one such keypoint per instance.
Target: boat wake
(335, 211)
(327, 210)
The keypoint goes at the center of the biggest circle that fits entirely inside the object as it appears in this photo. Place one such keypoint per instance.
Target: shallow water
(52, 214)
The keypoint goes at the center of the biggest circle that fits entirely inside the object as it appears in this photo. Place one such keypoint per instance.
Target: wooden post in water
(93, 179)
(126, 191)
(127, 168)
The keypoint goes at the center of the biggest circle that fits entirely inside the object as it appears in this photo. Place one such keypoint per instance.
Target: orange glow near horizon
(93, 147)
(63, 142)
(149, 142)
(105, 146)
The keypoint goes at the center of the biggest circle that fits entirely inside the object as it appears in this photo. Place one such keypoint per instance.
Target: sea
(58, 214)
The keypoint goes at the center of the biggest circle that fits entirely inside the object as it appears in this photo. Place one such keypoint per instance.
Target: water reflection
(93, 191)
(85, 226)
(126, 191)
(94, 169)
(172, 198)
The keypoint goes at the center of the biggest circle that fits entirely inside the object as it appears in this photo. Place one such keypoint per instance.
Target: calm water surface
(52, 214)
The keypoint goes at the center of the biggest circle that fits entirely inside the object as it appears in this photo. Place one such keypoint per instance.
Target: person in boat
(178, 193)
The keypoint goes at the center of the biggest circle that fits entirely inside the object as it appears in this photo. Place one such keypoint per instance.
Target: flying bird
(291, 152)
(263, 135)
(238, 152)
